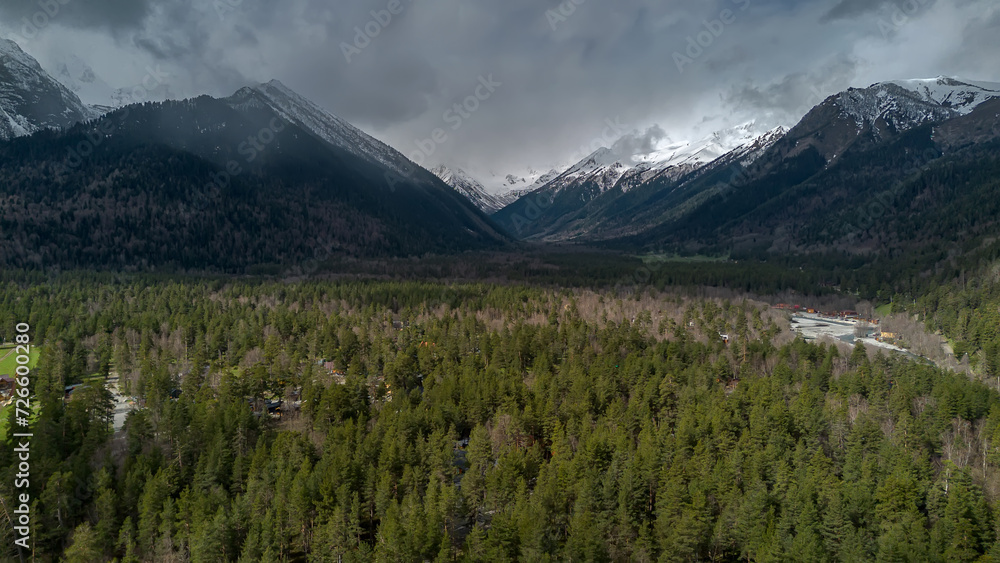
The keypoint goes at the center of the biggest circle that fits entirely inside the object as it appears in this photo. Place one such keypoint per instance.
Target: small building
(337, 375)
(6, 387)
(273, 407)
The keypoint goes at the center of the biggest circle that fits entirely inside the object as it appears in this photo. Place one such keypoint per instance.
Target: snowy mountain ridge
(606, 166)
(904, 104)
(469, 187)
(962, 96)
(30, 99)
(296, 109)
(520, 183)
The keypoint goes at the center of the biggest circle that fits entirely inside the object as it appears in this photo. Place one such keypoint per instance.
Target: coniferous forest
(754, 318)
(477, 422)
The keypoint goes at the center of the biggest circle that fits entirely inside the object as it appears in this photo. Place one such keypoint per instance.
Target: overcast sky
(565, 71)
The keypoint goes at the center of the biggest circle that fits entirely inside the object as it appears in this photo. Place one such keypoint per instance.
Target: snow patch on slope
(708, 149)
(511, 186)
(638, 157)
(962, 96)
(469, 187)
(905, 104)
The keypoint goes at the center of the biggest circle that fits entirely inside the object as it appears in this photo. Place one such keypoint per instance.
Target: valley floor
(813, 326)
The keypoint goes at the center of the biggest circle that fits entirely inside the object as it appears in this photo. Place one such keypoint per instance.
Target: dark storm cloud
(107, 14)
(565, 68)
(792, 95)
(641, 142)
(846, 9)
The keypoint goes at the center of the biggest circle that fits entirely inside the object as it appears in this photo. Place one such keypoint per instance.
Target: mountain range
(263, 177)
(668, 195)
(267, 177)
(568, 205)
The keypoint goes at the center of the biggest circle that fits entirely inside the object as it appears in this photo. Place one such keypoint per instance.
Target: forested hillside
(968, 312)
(199, 185)
(599, 428)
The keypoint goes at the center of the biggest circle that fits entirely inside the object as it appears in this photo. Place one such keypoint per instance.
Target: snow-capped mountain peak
(962, 96)
(30, 99)
(641, 155)
(904, 104)
(12, 54)
(708, 148)
(468, 186)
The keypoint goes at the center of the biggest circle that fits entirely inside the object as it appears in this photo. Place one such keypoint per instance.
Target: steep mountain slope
(659, 197)
(30, 99)
(584, 201)
(907, 172)
(747, 190)
(293, 108)
(221, 184)
(858, 119)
